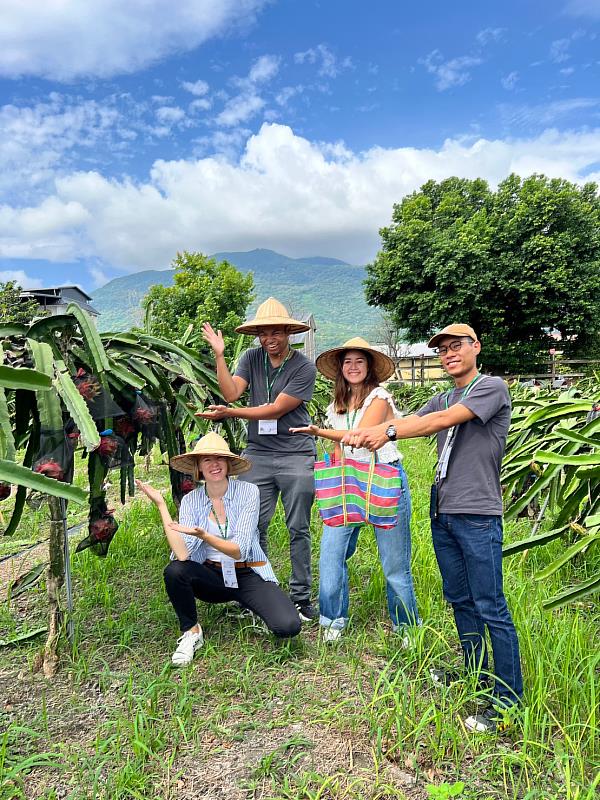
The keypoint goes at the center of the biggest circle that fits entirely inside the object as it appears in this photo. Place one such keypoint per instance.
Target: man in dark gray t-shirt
(280, 381)
(477, 449)
(471, 423)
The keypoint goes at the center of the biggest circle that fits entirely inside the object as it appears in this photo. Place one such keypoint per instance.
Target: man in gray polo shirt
(471, 422)
(281, 381)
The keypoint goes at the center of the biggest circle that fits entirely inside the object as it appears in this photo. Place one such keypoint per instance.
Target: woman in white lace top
(359, 401)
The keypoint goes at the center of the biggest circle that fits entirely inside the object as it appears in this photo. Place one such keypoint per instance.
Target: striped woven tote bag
(351, 492)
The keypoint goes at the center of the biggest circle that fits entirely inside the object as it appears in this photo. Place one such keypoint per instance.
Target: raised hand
(213, 338)
(150, 492)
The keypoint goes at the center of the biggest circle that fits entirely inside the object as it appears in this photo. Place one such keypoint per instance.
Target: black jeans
(187, 580)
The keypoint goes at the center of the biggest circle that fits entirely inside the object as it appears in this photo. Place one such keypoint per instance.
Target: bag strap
(370, 484)
(343, 471)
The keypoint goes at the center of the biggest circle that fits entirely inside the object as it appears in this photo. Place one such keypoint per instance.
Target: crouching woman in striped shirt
(215, 551)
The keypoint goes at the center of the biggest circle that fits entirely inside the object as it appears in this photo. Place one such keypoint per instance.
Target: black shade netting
(4, 491)
(99, 402)
(146, 416)
(125, 427)
(56, 455)
(101, 529)
(113, 450)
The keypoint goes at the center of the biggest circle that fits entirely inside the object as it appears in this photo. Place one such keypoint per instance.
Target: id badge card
(229, 576)
(267, 427)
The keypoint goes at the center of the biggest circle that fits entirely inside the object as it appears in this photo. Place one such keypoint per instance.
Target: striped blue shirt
(241, 501)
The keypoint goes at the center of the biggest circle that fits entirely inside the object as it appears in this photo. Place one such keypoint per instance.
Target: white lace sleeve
(379, 391)
(329, 416)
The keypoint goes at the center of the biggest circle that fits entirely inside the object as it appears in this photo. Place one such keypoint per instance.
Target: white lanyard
(444, 459)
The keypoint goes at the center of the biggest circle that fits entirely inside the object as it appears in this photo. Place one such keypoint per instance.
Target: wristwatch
(390, 432)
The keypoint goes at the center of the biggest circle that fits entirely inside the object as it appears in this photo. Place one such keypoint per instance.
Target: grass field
(255, 718)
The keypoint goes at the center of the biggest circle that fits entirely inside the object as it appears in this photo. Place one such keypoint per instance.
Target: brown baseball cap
(456, 329)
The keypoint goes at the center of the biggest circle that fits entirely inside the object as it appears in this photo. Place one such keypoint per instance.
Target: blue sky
(129, 131)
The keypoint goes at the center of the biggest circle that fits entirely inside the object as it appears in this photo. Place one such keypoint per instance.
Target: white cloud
(488, 35)
(584, 8)
(201, 104)
(20, 277)
(510, 81)
(264, 69)
(99, 277)
(240, 109)
(545, 114)
(169, 115)
(559, 50)
(36, 139)
(65, 39)
(329, 65)
(248, 102)
(197, 88)
(285, 95)
(454, 72)
(285, 192)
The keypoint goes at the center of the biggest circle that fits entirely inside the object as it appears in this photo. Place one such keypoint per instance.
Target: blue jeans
(339, 544)
(468, 548)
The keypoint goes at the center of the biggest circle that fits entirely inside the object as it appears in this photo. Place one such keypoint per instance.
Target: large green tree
(14, 308)
(203, 290)
(516, 264)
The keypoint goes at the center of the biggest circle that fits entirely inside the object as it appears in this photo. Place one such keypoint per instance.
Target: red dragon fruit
(87, 386)
(50, 468)
(4, 491)
(124, 427)
(108, 446)
(187, 485)
(103, 528)
(143, 416)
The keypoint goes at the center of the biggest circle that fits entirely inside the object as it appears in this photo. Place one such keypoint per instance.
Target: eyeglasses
(454, 346)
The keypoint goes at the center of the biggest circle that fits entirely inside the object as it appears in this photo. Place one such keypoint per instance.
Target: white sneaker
(332, 634)
(186, 648)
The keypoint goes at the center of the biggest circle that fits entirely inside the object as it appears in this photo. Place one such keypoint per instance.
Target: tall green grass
(298, 719)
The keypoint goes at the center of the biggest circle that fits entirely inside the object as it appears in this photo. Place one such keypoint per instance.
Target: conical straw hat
(271, 314)
(328, 363)
(210, 445)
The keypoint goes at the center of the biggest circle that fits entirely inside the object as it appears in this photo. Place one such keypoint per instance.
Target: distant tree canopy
(516, 264)
(14, 308)
(204, 291)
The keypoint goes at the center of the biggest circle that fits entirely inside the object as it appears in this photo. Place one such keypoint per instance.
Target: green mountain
(328, 288)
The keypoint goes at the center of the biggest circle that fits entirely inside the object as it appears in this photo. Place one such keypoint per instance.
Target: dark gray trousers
(290, 475)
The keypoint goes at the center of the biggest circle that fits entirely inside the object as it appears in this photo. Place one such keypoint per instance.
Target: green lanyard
(221, 531)
(466, 391)
(271, 383)
(350, 425)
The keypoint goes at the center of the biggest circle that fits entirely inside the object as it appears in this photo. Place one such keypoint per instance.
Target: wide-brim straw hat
(328, 363)
(271, 314)
(210, 445)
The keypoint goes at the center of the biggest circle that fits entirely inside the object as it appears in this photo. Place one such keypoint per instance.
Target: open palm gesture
(213, 338)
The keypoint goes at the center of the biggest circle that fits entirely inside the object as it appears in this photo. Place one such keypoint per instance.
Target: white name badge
(267, 427)
(229, 576)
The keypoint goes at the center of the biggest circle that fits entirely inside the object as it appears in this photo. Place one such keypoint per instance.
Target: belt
(238, 564)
